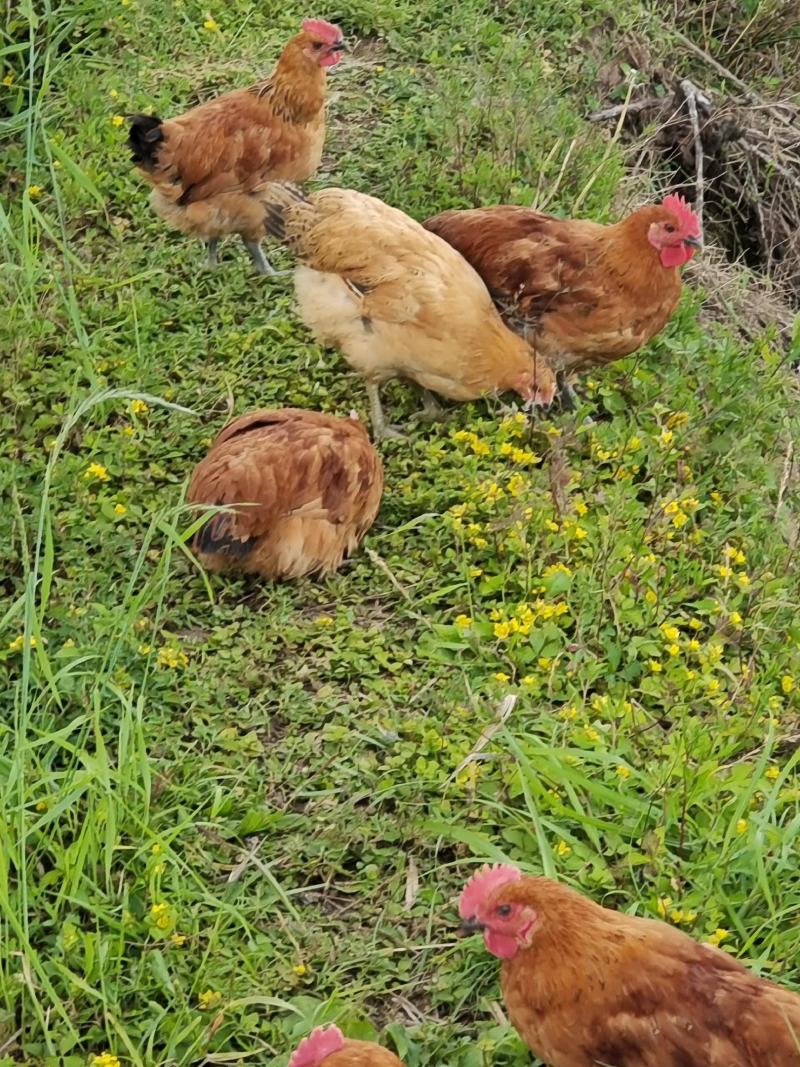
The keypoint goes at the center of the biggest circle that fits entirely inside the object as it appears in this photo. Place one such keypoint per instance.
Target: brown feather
(303, 489)
(598, 987)
(362, 1054)
(584, 294)
(212, 160)
(397, 300)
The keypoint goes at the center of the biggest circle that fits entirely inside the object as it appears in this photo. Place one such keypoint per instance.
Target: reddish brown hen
(582, 293)
(303, 488)
(206, 165)
(586, 986)
(331, 1048)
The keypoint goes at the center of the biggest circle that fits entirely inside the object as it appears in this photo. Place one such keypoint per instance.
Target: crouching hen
(586, 986)
(330, 1048)
(300, 490)
(583, 293)
(398, 301)
(207, 165)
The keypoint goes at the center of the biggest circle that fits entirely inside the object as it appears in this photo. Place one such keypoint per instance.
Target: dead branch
(690, 92)
(632, 109)
(765, 157)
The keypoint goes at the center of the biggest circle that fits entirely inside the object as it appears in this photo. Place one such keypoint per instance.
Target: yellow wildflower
(670, 632)
(712, 685)
(544, 663)
(528, 680)
(723, 571)
(716, 498)
(772, 773)
(580, 533)
(677, 418)
(743, 578)
(105, 1059)
(591, 734)
(674, 650)
(672, 508)
(694, 645)
(581, 508)
(178, 939)
(552, 526)
(634, 443)
(735, 618)
(171, 658)
(666, 438)
(138, 407)
(120, 509)
(463, 620)
(209, 999)
(655, 666)
(300, 969)
(117, 120)
(96, 470)
(113, 94)
(623, 772)
(695, 624)
(159, 915)
(680, 520)
(502, 630)
(662, 905)
(480, 448)
(787, 683)
(34, 191)
(553, 431)
(650, 596)
(741, 826)
(563, 849)
(506, 448)
(8, 80)
(324, 620)
(522, 455)
(718, 936)
(568, 712)
(18, 643)
(211, 25)
(516, 484)
(500, 676)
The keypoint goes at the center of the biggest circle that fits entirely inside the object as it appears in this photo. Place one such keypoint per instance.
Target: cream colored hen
(398, 301)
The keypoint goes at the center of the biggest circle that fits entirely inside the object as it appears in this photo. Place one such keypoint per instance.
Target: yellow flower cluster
(159, 915)
(18, 643)
(518, 455)
(171, 658)
(96, 470)
(478, 446)
(209, 999)
(718, 936)
(105, 1059)
(525, 616)
(681, 510)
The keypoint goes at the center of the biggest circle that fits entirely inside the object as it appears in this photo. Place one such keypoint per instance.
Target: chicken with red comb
(207, 166)
(588, 986)
(329, 1046)
(582, 293)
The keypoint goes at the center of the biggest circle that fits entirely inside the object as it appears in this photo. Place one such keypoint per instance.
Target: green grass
(285, 778)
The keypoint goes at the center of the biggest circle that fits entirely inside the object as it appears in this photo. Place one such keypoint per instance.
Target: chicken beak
(470, 926)
(693, 242)
(339, 46)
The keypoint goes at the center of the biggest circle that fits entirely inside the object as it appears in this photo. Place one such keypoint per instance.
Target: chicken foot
(567, 396)
(432, 410)
(381, 429)
(211, 245)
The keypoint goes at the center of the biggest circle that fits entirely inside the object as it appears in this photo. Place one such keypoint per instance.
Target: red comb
(319, 1044)
(687, 218)
(482, 884)
(325, 31)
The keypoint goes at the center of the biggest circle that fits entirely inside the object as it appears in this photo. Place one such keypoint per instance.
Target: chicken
(587, 986)
(398, 301)
(207, 165)
(331, 1048)
(583, 293)
(313, 483)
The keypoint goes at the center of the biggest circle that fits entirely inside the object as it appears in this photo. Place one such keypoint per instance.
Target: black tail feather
(279, 196)
(143, 140)
(215, 537)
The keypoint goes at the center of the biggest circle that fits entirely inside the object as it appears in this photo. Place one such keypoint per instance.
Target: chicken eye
(669, 227)
(317, 45)
(504, 910)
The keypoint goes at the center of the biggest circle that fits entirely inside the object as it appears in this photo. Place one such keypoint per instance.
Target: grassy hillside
(231, 810)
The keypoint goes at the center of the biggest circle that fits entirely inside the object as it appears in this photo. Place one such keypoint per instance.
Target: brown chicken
(582, 293)
(207, 165)
(331, 1048)
(586, 986)
(398, 301)
(301, 489)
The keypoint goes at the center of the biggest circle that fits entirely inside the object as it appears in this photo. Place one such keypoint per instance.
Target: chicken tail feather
(217, 537)
(277, 198)
(144, 139)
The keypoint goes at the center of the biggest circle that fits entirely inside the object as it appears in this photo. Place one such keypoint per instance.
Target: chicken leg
(381, 429)
(211, 245)
(260, 261)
